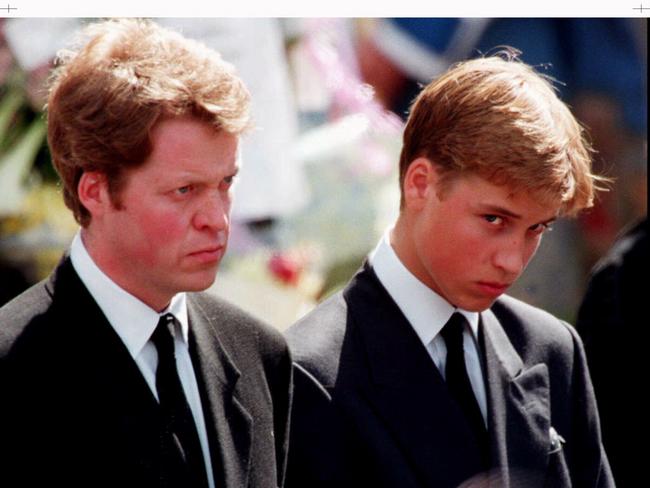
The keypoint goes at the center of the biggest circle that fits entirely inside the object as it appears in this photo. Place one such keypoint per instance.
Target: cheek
(468, 245)
(531, 249)
(455, 250)
(227, 203)
(161, 232)
(467, 257)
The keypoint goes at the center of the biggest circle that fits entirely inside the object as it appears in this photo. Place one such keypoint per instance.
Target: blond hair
(498, 118)
(107, 94)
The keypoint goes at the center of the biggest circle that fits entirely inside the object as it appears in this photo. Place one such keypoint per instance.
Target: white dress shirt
(428, 312)
(134, 322)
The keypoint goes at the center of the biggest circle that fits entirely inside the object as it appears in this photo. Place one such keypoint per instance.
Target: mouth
(493, 288)
(208, 254)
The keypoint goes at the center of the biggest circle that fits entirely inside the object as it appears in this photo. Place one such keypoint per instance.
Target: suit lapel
(411, 397)
(407, 390)
(102, 375)
(518, 408)
(228, 423)
(111, 384)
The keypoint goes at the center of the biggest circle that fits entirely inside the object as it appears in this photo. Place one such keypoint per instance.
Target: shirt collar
(426, 311)
(132, 319)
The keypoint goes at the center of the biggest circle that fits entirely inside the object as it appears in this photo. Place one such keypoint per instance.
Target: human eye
(494, 220)
(183, 190)
(227, 182)
(541, 228)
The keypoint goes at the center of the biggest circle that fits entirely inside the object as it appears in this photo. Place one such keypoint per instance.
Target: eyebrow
(190, 175)
(500, 210)
(508, 213)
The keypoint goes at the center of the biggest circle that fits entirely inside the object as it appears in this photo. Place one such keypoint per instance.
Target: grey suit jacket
(371, 409)
(76, 411)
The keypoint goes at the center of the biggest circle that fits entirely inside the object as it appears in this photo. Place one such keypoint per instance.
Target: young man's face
(170, 229)
(472, 244)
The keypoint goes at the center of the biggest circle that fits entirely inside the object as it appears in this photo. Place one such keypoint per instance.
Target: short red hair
(107, 95)
(497, 117)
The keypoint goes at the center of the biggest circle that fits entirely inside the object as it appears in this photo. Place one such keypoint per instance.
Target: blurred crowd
(329, 96)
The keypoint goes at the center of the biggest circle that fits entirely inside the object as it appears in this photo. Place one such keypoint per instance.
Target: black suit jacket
(612, 327)
(76, 411)
(371, 409)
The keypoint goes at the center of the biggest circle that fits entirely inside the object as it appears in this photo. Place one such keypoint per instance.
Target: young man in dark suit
(114, 371)
(421, 372)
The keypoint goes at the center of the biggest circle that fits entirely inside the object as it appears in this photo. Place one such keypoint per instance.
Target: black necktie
(458, 381)
(179, 433)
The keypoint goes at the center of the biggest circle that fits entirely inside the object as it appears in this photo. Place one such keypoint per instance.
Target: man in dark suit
(115, 371)
(420, 373)
(610, 315)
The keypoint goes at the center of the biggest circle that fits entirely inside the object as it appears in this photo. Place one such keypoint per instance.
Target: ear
(93, 192)
(420, 183)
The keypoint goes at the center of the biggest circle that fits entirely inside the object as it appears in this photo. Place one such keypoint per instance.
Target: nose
(213, 212)
(511, 258)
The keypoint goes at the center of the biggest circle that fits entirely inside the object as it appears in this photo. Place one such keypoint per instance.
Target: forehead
(186, 135)
(477, 191)
(185, 144)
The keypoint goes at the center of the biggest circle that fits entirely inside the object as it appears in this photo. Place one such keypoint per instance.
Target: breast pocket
(557, 474)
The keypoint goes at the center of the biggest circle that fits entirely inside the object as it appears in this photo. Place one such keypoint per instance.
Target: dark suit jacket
(76, 411)
(612, 327)
(371, 409)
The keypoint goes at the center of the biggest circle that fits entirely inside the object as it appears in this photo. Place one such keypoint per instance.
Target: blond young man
(115, 371)
(421, 372)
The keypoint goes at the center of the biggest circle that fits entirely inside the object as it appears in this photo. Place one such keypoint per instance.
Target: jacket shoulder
(316, 340)
(25, 309)
(532, 329)
(237, 328)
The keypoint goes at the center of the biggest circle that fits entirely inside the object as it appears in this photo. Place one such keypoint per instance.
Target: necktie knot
(163, 335)
(452, 332)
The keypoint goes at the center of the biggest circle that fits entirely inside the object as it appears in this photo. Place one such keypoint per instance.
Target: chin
(200, 283)
(475, 305)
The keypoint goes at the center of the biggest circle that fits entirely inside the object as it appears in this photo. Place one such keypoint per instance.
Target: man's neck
(402, 244)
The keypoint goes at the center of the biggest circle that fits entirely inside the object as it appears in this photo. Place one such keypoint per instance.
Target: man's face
(170, 228)
(474, 240)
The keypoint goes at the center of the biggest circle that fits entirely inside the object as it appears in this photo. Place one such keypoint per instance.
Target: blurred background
(319, 180)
